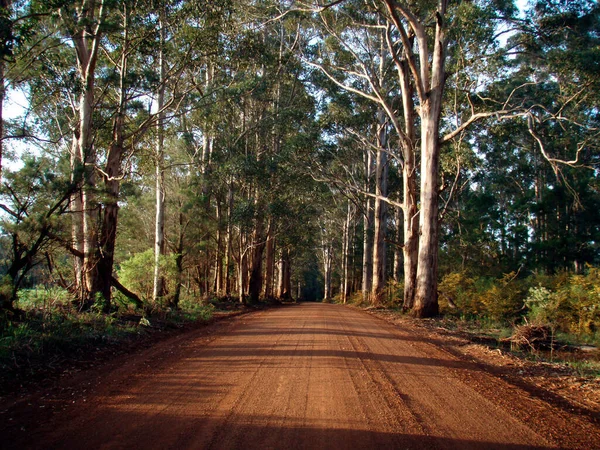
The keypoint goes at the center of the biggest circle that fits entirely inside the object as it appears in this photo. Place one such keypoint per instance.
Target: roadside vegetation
(553, 318)
(52, 333)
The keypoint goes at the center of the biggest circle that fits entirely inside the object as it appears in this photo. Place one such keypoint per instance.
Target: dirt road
(311, 376)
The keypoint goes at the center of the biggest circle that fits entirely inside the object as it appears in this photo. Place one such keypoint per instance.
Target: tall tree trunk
(345, 286)
(159, 230)
(280, 275)
(367, 263)
(409, 187)
(243, 269)
(426, 301)
(108, 234)
(218, 284)
(327, 260)
(258, 246)
(179, 261)
(229, 242)
(285, 284)
(85, 30)
(287, 276)
(91, 211)
(76, 213)
(111, 178)
(269, 263)
(397, 269)
(426, 304)
(380, 216)
(411, 229)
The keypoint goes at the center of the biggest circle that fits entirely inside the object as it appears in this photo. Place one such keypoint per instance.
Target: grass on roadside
(53, 329)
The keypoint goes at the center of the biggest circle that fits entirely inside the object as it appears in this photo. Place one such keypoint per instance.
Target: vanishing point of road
(307, 376)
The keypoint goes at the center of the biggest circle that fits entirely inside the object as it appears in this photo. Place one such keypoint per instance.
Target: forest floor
(304, 376)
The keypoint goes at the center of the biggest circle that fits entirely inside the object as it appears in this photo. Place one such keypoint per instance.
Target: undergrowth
(51, 327)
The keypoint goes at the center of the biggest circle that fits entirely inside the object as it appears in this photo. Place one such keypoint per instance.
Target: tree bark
(108, 233)
(111, 178)
(411, 236)
(159, 230)
(86, 34)
(397, 269)
(380, 216)
(218, 284)
(179, 250)
(228, 242)
(76, 213)
(411, 228)
(367, 263)
(258, 246)
(243, 269)
(345, 287)
(426, 301)
(269, 263)
(284, 284)
(287, 276)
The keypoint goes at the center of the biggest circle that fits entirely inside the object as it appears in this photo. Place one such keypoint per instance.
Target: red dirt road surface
(308, 376)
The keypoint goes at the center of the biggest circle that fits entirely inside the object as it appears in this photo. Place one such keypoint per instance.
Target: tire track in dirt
(304, 377)
(398, 416)
(423, 383)
(562, 428)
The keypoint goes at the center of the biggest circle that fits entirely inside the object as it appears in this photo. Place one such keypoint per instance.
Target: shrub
(572, 307)
(457, 292)
(504, 300)
(137, 274)
(43, 297)
(498, 300)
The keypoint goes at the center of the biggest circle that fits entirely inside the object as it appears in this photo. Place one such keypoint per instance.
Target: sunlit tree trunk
(397, 269)
(85, 30)
(426, 302)
(327, 263)
(159, 230)
(76, 214)
(284, 283)
(345, 285)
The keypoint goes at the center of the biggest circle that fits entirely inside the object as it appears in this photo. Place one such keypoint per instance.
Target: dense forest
(430, 155)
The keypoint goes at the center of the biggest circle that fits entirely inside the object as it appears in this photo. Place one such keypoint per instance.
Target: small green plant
(192, 309)
(42, 297)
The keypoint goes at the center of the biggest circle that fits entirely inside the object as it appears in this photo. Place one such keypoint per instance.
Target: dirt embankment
(305, 376)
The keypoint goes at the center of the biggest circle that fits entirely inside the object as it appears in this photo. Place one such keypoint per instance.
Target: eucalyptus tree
(541, 170)
(420, 41)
